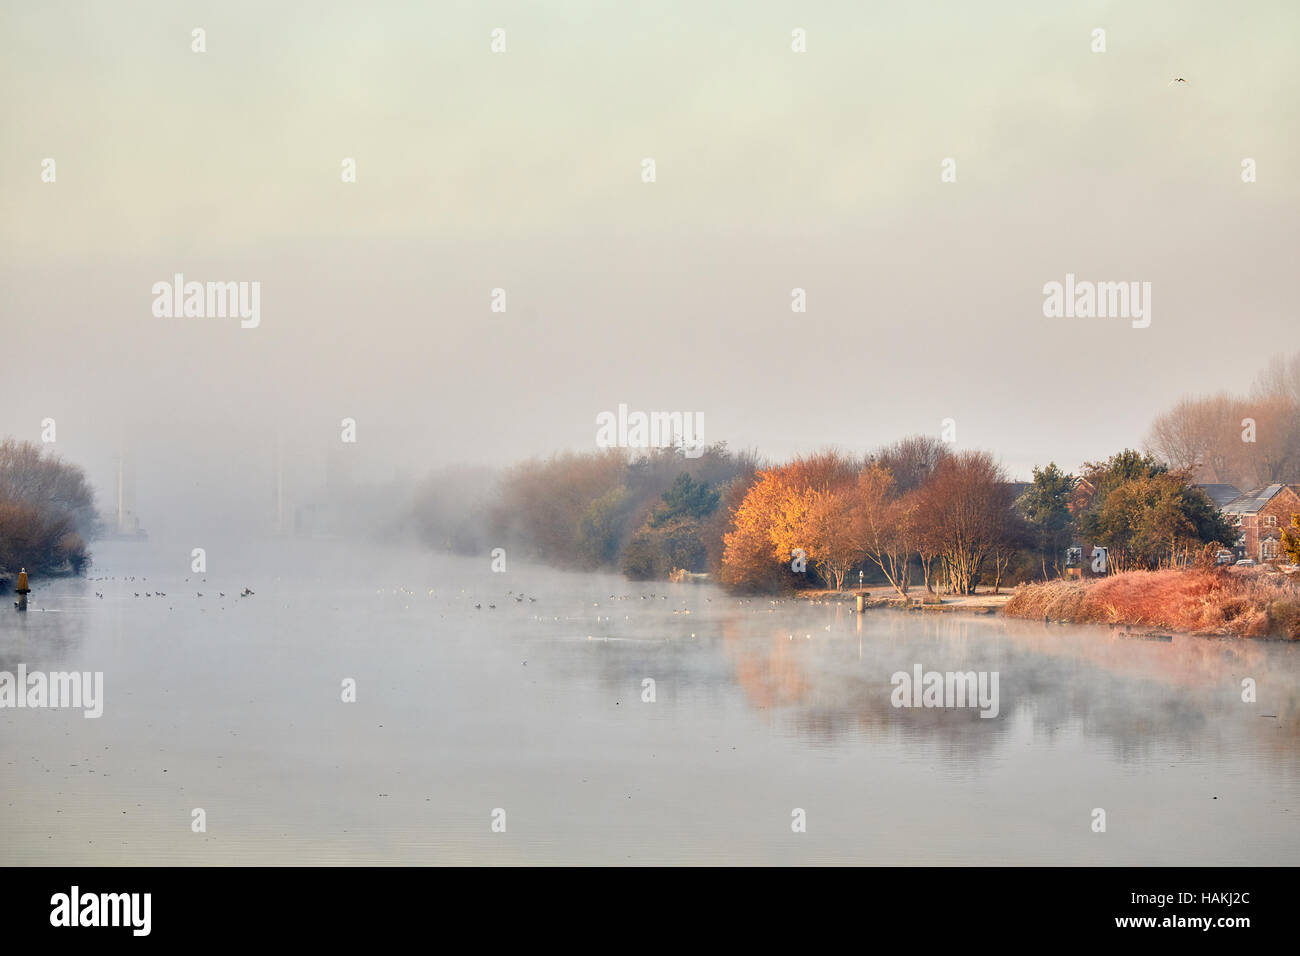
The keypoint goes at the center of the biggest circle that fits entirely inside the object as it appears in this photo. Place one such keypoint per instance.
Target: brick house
(1261, 516)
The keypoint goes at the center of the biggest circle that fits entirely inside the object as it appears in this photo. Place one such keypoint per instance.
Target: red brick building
(1261, 516)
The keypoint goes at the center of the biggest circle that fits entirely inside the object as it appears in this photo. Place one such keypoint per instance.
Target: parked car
(1224, 557)
(1246, 563)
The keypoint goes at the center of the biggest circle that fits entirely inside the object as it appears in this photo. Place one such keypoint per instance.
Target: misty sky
(522, 170)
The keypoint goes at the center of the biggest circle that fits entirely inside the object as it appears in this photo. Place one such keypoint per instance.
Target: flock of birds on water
(772, 604)
(247, 592)
(519, 598)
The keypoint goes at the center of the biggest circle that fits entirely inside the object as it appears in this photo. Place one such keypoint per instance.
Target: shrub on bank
(1246, 602)
(46, 511)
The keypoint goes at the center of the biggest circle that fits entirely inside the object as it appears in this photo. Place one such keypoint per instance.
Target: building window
(1268, 549)
(1270, 521)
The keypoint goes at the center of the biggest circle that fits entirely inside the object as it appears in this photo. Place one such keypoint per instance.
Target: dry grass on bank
(1244, 602)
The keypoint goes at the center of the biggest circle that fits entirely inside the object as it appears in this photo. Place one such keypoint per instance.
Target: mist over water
(817, 175)
(762, 706)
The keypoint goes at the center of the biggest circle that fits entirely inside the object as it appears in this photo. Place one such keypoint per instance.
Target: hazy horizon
(775, 170)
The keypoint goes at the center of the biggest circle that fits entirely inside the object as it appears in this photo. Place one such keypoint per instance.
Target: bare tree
(1280, 378)
(1246, 441)
(970, 503)
(911, 461)
(884, 526)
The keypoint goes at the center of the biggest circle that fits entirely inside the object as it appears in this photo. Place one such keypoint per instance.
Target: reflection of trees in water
(830, 685)
(1187, 689)
(1135, 694)
(834, 684)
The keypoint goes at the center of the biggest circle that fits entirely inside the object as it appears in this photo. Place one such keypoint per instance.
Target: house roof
(1220, 494)
(1252, 502)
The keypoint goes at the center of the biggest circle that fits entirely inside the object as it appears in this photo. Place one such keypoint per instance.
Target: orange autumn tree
(836, 547)
(747, 559)
(803, 506)
(1291, 540)
(819, 522)
(884, 525)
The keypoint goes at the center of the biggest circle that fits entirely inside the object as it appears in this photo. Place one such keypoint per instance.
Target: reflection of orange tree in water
(776, 670)
(770, 667)
(767, 670)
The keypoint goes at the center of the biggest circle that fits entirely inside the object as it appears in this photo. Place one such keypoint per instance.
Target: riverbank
(1238, 602)
(982, 602)
(7, 578)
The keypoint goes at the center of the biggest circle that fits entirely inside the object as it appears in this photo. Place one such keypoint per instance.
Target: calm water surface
(234, 705)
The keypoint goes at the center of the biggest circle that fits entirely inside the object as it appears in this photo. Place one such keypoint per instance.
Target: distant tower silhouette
(279, 484)
(127, 521)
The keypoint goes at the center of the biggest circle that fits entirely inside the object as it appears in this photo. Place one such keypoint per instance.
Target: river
(772, 736)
